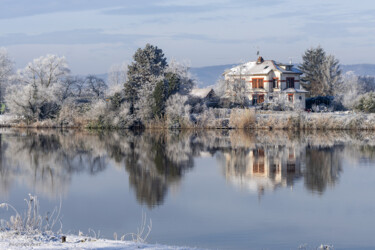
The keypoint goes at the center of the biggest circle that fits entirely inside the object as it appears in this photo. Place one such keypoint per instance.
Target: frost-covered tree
(159, 95)
(238, 92)
(38, 88)
(143, 75)
(179, 78)
(313, 58)
(6, 70)
(221, 87)
(79, 85)
(151, 81)
(331, 75)
(96, 86)
(69, 87)
(348, 90)
(321, 73)
(117, 74)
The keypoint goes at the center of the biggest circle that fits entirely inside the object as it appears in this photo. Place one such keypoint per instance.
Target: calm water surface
(209, 189)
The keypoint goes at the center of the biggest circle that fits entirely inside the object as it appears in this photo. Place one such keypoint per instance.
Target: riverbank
(13, 240)
(222, 119)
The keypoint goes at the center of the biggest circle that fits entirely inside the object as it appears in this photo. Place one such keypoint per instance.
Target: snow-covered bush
(348, 90)
(177, 112)
(366, 103)
(31, 222)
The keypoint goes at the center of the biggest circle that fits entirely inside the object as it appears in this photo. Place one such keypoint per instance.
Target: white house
(267, 80)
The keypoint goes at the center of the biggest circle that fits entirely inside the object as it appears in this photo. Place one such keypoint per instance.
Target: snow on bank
(12, 240)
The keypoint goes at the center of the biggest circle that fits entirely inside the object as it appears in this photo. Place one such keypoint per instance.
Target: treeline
(147, 91)
(322, 77)
(150, 92)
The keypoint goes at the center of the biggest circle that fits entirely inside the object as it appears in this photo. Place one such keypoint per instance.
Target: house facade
(269, 81)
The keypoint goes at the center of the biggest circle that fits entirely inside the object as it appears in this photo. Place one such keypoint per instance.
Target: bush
(366, 103)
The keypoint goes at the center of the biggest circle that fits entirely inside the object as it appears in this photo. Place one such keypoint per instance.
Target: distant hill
(208, 76)
(360, 69)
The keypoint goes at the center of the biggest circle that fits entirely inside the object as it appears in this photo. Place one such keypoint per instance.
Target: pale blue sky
(94, 34)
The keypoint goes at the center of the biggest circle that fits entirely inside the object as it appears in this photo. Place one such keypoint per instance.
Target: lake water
(210, 189)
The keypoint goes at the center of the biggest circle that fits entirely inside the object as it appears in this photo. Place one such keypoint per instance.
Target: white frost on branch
(38, 88)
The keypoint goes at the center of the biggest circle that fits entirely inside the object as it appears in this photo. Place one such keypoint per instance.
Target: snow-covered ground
(12, 240)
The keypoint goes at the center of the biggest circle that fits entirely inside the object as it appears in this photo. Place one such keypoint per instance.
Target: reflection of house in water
(263, 168)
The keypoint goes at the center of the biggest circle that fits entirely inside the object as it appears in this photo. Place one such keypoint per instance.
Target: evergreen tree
(143, 75)
(331, 76)
(174, 83)
(313, 60)
(116, 100)
(130, 90)
(321, 73)
(159, 96)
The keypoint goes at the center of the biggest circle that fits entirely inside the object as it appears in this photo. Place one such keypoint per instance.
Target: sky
(95, 34)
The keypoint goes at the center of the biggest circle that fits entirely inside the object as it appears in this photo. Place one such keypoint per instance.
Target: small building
(206, 95)
(269, 81)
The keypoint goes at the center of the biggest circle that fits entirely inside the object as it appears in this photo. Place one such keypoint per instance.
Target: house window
(258, 168)
(290, 97)
(257, 83)
(258, 99)
(275, 83)
(290, 82)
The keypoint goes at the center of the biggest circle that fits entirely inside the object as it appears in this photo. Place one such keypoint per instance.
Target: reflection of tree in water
(156, 161)
(45, 160)
(261, 160)
(323, 167)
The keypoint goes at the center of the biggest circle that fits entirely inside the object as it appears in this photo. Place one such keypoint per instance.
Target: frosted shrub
(207, 119)
(177, 112)
(366, 103)
(98, 109)
(69, 115)
(348, 91)
(31, 222)
(123, 119)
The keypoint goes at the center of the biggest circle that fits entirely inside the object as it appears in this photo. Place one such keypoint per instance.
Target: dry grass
(243, 118)
(217, 119)
(157, 123)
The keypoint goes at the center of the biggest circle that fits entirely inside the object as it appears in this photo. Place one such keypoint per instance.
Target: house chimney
(260, 60)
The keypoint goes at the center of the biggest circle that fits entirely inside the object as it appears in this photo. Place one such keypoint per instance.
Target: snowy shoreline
(235, 119)
(13, 240)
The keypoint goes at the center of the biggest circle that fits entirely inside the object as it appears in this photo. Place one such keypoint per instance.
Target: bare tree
(96, 85)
